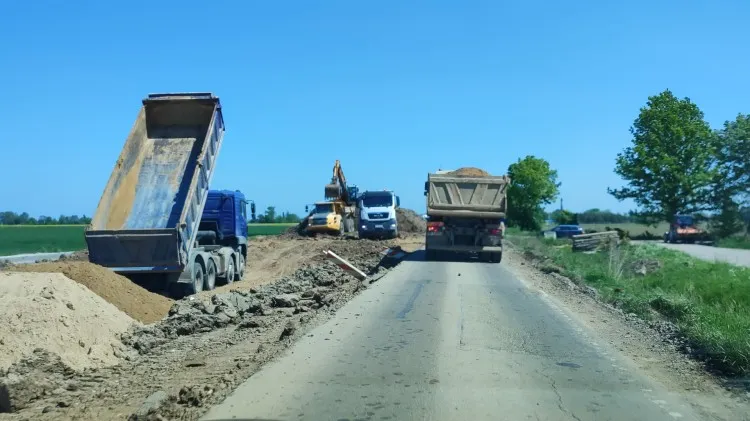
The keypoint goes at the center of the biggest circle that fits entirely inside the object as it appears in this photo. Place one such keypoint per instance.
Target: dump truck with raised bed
(156, 222)
(465, 214)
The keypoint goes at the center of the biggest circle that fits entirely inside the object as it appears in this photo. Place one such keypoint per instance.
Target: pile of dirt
(50, 311)
(469, 172)
(410, 221)
(308, 288)
(136, 301)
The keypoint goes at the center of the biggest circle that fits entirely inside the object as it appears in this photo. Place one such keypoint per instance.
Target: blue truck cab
(377, 214)
(224, 220)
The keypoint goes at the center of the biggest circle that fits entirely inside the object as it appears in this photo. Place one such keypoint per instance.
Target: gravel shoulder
(737, 257)
(648, 345)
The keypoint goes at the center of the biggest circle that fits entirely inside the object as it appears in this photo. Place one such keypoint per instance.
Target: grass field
(708, 302)
(18, 239)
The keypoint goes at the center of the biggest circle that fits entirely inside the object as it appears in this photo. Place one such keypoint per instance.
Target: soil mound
(470, 172)
(136, 301)
(54, 313)
(410, 221)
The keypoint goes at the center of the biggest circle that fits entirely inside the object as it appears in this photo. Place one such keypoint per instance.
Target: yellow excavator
(337, 215)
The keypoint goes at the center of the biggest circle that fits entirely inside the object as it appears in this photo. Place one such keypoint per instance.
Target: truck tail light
(434, 226)
(495, 231)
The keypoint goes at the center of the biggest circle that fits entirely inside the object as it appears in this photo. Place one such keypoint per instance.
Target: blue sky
(392, 89)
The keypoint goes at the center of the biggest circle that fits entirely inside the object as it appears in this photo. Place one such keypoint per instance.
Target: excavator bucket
(333, 191)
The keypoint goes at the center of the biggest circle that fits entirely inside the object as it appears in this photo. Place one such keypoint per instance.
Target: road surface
(734, 256)
(452, 341)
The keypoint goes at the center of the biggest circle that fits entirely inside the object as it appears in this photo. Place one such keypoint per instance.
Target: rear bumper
(465, 249)
(322, 228)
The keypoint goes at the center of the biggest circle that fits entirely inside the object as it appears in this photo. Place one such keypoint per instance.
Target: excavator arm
(337, 190)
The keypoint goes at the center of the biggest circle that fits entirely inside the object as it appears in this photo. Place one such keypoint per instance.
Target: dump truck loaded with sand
(465, 210)
(157, 222)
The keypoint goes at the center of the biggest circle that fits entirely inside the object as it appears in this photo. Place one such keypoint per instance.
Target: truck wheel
(198, 280)
(430, 255)
(240, 267)
(210, 279)
(229, 275)
(496, 257)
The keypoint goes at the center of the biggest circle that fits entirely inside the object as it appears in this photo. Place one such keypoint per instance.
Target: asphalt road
(734, 256)
(452, 341)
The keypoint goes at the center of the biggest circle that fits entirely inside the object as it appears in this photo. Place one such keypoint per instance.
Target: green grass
(254, 230)
(735, 243)
(708, 302)
(637, 231)
(18, 239)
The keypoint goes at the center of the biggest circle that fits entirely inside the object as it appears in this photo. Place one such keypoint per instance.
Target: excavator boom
(337, 190)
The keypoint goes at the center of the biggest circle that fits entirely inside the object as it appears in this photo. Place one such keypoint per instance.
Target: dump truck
(465, 215)
(156, 222)
(684, 229)
(337, 215)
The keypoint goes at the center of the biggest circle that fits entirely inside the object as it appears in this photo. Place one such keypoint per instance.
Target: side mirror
(426, 187)
(307, 209)
(398, 202)
(252, 209)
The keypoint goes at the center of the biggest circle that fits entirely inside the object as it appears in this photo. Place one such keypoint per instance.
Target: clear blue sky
(393, 89)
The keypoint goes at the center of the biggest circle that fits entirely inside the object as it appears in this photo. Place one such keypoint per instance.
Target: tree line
(23, 218)
(271, 217)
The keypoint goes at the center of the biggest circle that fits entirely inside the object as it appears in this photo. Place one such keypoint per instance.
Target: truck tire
(496, 257)
(197, 279)
(210, 279)
(431, 255)
(230, 274)
(240, 267)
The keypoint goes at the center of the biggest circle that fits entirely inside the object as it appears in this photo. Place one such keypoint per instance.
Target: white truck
(465, 215)
(377, 214)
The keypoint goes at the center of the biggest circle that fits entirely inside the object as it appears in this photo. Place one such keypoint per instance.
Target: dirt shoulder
(646, 344)
(179, 366)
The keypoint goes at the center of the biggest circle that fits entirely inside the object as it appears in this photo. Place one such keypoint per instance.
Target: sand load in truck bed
(469, 172)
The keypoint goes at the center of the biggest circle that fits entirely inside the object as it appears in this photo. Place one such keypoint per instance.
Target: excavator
(337, 214)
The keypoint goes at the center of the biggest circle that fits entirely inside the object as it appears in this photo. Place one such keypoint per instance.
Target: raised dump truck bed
(465, 215)
(148, 216)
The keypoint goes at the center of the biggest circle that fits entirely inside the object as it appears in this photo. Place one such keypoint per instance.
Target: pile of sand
(469, 172)
(136, 301)
(410, 221)
(50, 311)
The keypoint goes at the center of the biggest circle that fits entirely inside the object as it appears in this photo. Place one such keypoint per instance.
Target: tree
(732, 179)
(671, 165)
(533, 184)
(564, 217)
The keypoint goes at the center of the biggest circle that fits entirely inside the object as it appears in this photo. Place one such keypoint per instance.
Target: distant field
(18, 239)
(635, 230)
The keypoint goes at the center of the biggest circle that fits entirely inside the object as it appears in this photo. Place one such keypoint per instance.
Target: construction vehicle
(157, 222)
(336, 215)
(684, 229)
(377, 214)
(465, 215)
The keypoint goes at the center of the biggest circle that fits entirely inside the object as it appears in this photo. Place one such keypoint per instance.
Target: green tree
(564, 217)
(732, 179)
(670, 166)
(532, 184)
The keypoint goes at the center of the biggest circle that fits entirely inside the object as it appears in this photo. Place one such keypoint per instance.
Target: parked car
(567, 231)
